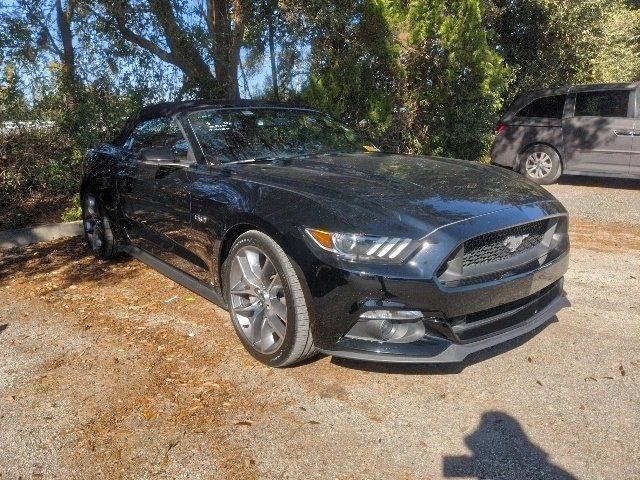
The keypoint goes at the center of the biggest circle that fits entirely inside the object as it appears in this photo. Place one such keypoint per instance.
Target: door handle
(624, 133)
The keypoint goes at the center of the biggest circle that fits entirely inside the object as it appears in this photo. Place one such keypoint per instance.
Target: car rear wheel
(97, 228)
(541, 164)
(266, 301)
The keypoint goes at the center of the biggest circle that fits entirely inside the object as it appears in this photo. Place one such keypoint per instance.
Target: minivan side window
(545, 107)
(604, 103)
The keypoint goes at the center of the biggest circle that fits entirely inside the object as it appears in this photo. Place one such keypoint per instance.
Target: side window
(545, 107)
(608, 103)
(159, 132)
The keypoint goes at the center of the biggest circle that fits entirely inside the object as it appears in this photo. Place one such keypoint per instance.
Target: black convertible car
(316, 241)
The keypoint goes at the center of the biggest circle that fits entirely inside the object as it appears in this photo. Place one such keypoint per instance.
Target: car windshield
(249, 134)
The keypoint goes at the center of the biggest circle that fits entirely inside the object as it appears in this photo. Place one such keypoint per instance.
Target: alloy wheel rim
(92, 223)
(538, 165)
(258, 302)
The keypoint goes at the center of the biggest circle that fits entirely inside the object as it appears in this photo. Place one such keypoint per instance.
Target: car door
(598, 134)
(154, 193)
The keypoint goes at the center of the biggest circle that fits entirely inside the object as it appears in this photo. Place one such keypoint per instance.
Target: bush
(74, 212)
(37, 160)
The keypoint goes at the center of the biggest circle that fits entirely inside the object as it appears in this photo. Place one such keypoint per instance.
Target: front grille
(493, 247)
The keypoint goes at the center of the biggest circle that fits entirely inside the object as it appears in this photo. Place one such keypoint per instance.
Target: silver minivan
(581, 130)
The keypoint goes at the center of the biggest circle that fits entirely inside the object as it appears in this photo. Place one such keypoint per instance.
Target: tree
(46, 28)
(12, 102)
(452, 80)
(351, 62)
(226, 21)
(170, 30)
(556, 42)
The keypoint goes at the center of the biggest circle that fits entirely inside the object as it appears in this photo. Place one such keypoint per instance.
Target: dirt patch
(110, 370)
(171, 393)
(604, 236)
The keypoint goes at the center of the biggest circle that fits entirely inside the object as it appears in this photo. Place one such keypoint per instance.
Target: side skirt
(178, 276)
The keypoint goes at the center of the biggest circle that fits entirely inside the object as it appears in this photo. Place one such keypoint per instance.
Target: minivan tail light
(501, 128)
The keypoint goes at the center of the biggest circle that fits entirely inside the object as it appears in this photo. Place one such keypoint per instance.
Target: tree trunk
(67, 56)
(69, 81)
(226, 22)
(182, 50)
(272, 55)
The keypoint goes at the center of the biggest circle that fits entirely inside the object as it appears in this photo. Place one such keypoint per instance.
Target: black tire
(98, 234)
(541, 164)
(296, 344)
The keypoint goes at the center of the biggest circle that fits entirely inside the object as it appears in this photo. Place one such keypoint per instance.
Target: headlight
(358, 247)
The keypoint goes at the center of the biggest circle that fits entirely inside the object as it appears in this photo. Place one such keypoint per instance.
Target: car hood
(373, 189)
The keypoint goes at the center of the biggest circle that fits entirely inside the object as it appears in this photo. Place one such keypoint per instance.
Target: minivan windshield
(251, 134)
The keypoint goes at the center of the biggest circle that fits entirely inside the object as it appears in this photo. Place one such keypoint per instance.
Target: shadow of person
(502, 450)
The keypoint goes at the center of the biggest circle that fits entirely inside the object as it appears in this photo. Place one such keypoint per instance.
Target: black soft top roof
(168, 109)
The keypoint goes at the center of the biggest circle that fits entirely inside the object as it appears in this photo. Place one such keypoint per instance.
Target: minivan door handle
(624, 133)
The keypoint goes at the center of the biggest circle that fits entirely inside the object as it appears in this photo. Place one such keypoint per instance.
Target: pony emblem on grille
(512, 242)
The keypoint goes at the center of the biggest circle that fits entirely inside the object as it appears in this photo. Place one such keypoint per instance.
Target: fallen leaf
(622, 371)
(539, 382)
(313, 422)
(246, 423)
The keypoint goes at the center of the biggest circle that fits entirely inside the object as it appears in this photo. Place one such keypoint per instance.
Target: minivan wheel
(266, 301)
(97, 228)
(541, 164)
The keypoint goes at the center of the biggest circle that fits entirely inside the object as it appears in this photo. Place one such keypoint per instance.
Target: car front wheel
(541, 164)
(266, 301)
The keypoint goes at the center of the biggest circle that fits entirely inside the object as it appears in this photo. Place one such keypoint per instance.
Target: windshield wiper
(270, 158)
(255, 160)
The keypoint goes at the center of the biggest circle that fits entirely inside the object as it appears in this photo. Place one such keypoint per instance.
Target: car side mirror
(158, 155)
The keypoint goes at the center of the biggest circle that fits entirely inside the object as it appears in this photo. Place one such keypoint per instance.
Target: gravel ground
(103, 375)
(607, 199)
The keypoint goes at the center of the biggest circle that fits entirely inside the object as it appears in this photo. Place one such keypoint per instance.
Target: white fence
(8, 128)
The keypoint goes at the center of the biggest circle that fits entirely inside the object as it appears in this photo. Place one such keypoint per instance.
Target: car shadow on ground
(501, 449)
(69, 256)
(442, 368)
(603, 182)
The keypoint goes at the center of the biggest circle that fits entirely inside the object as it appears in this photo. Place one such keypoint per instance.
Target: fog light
(395, 326)
(392, 315)
(386, 329)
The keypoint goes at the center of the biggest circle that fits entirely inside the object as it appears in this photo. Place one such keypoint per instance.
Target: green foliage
(352, 63)
(556, 42)
(74, 212)
(12, 102)
(419, 76)
(60, 174)
(453, 79)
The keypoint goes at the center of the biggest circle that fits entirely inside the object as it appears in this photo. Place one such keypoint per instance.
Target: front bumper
(463, 318)
(434, 348)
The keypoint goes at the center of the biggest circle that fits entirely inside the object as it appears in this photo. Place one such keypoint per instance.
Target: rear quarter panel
(521, 133)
